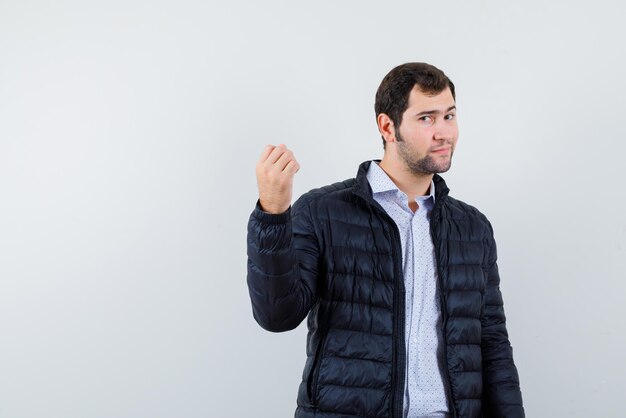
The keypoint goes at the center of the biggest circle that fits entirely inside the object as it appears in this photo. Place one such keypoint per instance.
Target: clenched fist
(274, 174)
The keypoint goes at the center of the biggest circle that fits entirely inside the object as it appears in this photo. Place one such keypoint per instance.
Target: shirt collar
(381, 183)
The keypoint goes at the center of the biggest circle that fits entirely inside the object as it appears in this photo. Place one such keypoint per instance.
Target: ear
(386, 128)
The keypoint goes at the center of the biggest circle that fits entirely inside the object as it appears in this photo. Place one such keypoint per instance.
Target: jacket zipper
(397, 386)
(444, 311)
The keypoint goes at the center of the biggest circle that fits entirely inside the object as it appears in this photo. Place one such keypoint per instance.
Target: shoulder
(336, 192)
(459, 211)
(341, 191)
(335, 203)
(462, 209)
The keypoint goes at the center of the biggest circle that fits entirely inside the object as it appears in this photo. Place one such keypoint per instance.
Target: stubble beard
(424, 165)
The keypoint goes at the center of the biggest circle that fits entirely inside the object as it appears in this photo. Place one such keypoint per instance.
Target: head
(416, 116)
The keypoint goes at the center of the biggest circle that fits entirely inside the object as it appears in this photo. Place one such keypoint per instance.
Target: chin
(444, 168)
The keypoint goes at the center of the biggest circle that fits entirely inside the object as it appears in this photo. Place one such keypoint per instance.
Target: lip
(443, 150)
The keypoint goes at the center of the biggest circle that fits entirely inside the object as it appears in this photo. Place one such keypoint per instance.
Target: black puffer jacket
(336, 257)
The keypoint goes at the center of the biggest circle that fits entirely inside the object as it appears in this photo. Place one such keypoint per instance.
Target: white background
(129, 131)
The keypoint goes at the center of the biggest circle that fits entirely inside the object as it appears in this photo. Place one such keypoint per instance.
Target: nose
(445, 130)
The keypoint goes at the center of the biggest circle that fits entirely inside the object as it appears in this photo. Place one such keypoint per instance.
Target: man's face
(428, 133)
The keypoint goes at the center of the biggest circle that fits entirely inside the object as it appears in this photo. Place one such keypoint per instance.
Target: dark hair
(392, 96)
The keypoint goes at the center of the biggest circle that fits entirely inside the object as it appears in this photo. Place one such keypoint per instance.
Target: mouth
(443, 150)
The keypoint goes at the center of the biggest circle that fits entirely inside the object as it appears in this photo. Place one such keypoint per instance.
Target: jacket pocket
(313, 381)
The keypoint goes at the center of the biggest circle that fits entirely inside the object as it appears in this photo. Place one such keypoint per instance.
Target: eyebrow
(434, 112)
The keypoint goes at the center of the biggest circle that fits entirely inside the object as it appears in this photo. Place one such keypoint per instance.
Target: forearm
(280, 289)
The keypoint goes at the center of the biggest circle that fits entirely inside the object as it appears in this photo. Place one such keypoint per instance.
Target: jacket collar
(362, 187)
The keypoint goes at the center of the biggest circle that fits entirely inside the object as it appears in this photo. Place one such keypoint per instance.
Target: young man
(398, 279)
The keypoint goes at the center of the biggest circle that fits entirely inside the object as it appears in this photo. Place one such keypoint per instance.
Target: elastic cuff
(271, 218)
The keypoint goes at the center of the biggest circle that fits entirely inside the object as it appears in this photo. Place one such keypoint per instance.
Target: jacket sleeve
(501, 391)
(283, 257)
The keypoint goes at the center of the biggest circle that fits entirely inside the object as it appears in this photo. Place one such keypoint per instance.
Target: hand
(274, 173)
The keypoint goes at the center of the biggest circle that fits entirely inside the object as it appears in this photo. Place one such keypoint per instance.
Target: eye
(426, 118)
(450, 116)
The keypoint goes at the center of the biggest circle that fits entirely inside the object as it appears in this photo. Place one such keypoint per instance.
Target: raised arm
(282, 246)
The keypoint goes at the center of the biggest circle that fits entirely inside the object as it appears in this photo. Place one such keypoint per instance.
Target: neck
(409, 183)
